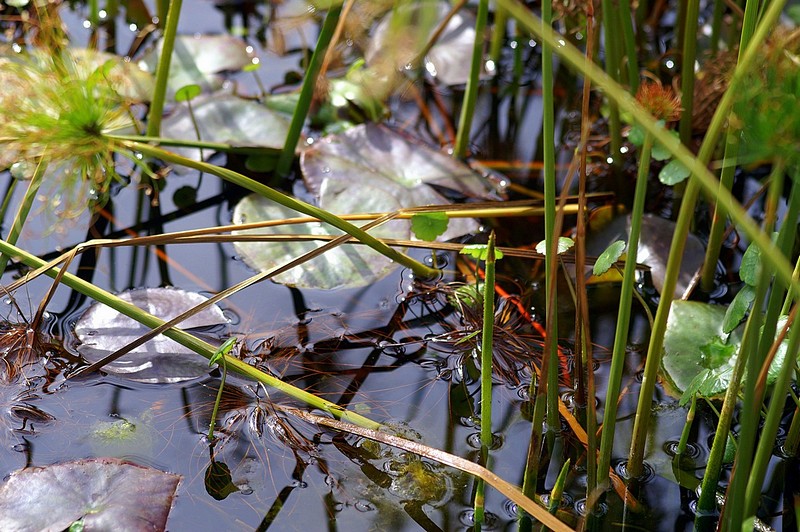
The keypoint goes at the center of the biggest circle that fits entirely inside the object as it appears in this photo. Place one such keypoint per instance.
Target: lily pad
(374, 155)
(228, 119)
(102, 494)
(102, 330)
(698, 355)
(450, 57)
(344, 266)
(200, 60)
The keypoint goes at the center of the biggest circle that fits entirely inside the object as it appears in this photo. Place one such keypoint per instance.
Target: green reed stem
(23, 211)
(753, 390)
(687, 69)
(162, 71)
(629, 42)
(307, 90)
(185, 339)
(219, 358)
(613, 53)
(716, 25)
(748, 358)
(619, 351)
(545, 390)
(473, 83)
(487, 336)
(767, 440)
(687, 428)
(287, 201)
(498, 34)
(793, 435)
(730, 157)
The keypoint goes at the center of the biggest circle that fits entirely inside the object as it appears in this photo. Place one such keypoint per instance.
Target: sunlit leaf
(450, 57)
(226, 119)
(345, 266)
(608, 257)
(480, 251)
(428, 225)
(102, 330)
(695, 343)
(673, 173)
(375, 156)
(564, 244)
(188, 93)
(103, 493)
(200, 59)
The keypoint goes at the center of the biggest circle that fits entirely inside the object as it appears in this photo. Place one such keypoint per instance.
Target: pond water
(383, 350)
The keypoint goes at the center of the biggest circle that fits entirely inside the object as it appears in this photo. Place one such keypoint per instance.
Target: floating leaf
(428, 225)
(375, 156)
(608, 257)
(738, 308)
(564, 244)
(219, 481)
(102, 330)
(480, 251)
(344, 266)
(673, 173)
(200, 59)
(450, 57)
(185, 197)
(102, 494)
(226, 119)
(693, 344)
(188, 93)
(636, 135)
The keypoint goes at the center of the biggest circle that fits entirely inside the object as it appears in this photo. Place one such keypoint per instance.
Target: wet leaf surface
(226, 119)
(200, 59)
(105, 493)
(375, 156)
(698, 355)
(102, 330)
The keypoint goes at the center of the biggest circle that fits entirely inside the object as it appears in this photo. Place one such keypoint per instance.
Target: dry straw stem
(506, 488)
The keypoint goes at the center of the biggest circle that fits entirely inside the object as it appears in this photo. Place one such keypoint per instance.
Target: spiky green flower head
(55, 111)
(766, 109)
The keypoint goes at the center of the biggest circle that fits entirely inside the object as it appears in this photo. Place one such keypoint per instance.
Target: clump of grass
(52, 109)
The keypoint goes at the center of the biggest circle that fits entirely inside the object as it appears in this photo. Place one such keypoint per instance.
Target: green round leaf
(750, 268)
(608, 257)
(428, 225)
(188, 93)
(673, 173)
(184, 197)
(564, 243)
(738, 308)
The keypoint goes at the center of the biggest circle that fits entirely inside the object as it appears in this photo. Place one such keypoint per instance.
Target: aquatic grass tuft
(63, 115)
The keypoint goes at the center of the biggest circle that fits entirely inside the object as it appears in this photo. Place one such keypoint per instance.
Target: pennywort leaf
(608, 257)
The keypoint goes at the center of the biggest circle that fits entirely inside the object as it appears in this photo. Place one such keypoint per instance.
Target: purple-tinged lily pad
(375, 156)
(103, 493)
(228, 119)
(200, 60)
(450, 57)
(102, 330)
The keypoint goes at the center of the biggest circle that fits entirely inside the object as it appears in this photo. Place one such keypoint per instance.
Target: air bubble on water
(133, 27)
(431, 68)
(490, 66)
(87, 24)
(245, 489)
(326, 169)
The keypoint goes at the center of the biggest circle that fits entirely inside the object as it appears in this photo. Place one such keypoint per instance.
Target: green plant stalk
(612, 69)
(745, 360)
(487, 336)
(12, 186)
(307, 90)
(701, 177)
(793, 435)
(473, 83)
(544, 404)
(201, 144)
(753, 392)
(162, 71)
(730, 156)
(619, 351)
(558, 488)
(23, 211)
(185, 339)
(687, 69)
(770, 429)
(629, 41)
(717, 231)
(498, 34)
(716, 25)
(219, 356)
(687, 428)
(287, 201)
